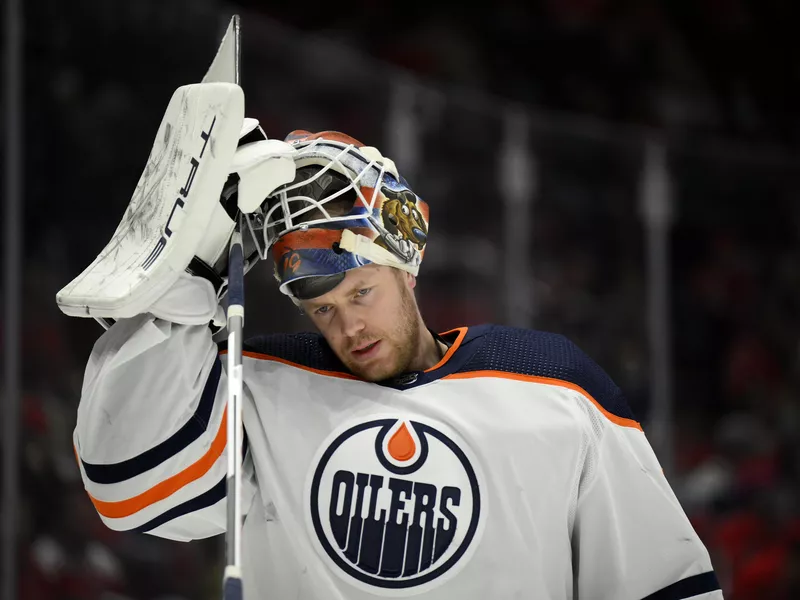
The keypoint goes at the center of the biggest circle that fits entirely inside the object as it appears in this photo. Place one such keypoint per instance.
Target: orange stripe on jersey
(126, 508)
(283, 361)
(462, 331)
(548, 381)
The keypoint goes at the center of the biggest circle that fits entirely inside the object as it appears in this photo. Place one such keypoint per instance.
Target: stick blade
(225, 66)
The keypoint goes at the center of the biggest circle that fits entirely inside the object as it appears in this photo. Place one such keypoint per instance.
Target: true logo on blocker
(395, 504)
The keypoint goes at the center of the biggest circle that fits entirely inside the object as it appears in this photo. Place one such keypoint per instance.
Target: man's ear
(406, 278)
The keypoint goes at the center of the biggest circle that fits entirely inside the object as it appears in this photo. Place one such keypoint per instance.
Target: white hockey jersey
(511, 469)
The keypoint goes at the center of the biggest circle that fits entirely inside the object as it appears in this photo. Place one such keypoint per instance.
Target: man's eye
(364, 291)
(322, 310)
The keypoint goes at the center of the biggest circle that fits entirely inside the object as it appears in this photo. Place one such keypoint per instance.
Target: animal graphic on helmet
(404, 225)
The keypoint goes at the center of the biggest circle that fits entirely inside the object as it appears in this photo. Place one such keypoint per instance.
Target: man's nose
(351, 323)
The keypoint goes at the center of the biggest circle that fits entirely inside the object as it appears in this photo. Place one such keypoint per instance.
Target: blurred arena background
(624, 173)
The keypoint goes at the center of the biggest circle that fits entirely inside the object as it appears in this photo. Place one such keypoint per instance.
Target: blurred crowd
(98, 76)
(735, 360)
(703, 67)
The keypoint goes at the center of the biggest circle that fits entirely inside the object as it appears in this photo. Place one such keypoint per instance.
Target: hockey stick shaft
(232, 584)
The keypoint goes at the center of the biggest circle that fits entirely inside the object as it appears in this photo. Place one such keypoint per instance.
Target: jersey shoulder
(546, 355)
(306, 350)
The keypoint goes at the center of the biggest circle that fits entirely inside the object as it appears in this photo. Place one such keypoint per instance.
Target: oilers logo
(395, 504)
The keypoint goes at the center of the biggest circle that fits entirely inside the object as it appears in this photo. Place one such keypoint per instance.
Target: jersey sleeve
(631, 537)
(151, 435)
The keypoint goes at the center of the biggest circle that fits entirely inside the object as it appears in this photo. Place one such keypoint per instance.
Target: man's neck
(430, 352)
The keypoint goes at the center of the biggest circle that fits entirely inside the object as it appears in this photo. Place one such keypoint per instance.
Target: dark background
(594, 83)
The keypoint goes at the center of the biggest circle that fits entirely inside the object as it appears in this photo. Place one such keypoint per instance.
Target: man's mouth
(366, 350)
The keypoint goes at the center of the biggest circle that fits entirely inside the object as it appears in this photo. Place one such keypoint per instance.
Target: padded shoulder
(548, 355)
(304, 349)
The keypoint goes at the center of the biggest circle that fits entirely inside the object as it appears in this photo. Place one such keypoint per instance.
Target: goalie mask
(347, 207)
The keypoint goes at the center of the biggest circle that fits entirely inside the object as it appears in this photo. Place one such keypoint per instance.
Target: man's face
(370, 320)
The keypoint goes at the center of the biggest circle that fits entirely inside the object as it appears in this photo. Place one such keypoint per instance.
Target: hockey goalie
(381, 458)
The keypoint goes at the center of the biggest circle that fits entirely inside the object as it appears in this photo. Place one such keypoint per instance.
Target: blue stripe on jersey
(304, 349)
(192, 429)
(204, 500)
(686, 588)
(543, 354)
